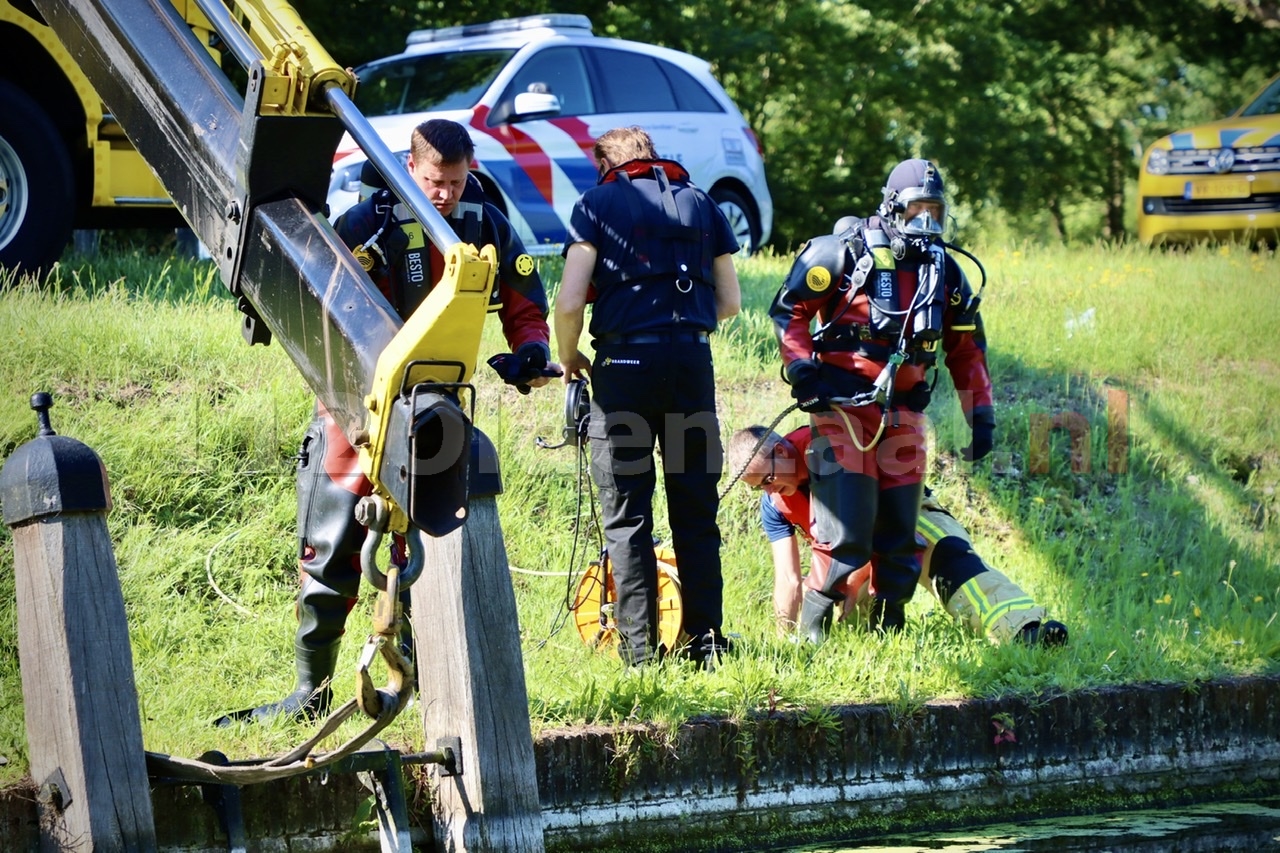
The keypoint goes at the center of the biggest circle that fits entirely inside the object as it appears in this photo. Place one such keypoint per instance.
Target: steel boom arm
(250, 175)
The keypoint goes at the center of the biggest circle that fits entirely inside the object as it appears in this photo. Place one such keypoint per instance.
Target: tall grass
(1166, 571)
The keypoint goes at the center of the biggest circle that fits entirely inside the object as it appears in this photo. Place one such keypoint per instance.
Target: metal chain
(759, 444)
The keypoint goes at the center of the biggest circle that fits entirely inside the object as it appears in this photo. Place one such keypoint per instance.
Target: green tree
(1037, 111)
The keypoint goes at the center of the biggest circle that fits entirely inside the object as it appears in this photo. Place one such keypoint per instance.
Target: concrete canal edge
(791, 776)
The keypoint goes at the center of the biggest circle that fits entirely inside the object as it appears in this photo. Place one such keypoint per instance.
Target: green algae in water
(1242, 826)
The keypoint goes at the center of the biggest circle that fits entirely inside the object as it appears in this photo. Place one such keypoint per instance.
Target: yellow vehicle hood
(1234, 132)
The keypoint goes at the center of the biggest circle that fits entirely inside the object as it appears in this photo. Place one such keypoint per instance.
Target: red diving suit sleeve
(522, 298)
(966, 347)
(816, 274)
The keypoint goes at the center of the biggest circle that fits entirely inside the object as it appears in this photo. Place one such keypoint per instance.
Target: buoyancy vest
(406, 256)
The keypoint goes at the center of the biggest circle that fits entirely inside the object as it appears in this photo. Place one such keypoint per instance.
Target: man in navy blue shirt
(654, 256)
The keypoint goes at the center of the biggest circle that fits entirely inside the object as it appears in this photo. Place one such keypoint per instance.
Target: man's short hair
(442, 142)
(748, 443)
(623, 144)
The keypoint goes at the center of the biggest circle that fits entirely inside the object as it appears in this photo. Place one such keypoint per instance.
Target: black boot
(329, 542)
(816, 610)
(706, 650)
(312, 696)
(896, 568)
(887, 617)
(1050, 634)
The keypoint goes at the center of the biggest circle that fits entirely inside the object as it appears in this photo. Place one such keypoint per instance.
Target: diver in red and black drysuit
(886, 296)
(390, 244)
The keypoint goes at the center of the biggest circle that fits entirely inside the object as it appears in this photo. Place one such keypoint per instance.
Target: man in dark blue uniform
(390, 244)
(654, 255)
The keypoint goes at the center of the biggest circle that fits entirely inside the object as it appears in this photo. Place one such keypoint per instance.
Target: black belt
(656, 338)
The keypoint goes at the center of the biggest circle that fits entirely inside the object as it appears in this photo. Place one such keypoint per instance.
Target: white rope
(208, 571)
(521, 571)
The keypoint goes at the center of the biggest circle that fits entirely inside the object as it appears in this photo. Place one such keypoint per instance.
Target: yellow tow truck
(65, 161)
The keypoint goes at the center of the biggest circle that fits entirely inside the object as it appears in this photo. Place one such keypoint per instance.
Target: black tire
(742, 218)
(37, 190)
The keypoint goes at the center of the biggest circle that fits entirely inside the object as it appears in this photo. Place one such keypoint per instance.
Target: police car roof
(556, 23)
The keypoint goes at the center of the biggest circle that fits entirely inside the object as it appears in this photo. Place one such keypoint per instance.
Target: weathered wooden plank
(471, 678)
(84, 732)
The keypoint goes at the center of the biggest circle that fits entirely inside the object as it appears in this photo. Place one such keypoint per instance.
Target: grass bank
(1163, 557)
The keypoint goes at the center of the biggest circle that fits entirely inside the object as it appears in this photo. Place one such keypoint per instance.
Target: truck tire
(37, 190)
(742, 219)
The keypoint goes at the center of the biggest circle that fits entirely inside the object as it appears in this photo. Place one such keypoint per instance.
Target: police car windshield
(433, 81)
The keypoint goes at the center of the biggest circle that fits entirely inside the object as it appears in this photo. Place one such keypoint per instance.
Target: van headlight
(1158, 162)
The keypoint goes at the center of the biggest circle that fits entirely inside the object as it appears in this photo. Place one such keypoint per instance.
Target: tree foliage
(1037, 111)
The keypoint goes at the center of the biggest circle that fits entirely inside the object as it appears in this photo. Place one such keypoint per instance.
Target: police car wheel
(742, 219)
(37, 200)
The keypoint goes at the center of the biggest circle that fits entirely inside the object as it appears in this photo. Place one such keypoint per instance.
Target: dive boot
(887, 617)
(309, 700)
(816, 611)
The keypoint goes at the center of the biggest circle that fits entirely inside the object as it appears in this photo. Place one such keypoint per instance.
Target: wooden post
(471, 686)
(83, 728)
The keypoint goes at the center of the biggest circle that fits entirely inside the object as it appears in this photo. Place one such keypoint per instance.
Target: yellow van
(1215, 181)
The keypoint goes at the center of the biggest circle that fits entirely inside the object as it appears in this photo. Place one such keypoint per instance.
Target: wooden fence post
(84, 732)
(471, 686)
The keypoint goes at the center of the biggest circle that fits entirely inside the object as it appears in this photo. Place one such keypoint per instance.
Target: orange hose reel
(593, 606)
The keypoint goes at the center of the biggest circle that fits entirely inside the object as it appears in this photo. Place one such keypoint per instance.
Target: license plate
(1216, 189)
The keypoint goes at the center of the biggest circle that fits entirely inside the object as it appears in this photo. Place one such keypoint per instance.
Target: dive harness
(926, 295)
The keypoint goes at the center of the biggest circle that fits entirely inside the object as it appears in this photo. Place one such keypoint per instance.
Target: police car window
(631, 83)
(433, 81)
(559, 71)
(690, 95)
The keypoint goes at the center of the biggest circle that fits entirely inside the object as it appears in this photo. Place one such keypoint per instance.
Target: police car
(535, 92)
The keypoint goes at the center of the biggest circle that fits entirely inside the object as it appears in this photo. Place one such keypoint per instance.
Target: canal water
(1252, 826)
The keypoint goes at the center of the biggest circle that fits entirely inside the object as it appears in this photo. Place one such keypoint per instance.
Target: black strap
(470, 223)
(470, 228)
(874, 350)
(673, 228)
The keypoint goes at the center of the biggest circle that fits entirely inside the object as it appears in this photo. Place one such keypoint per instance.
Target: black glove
(812, 393)
(528, 362)
(984, 433)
